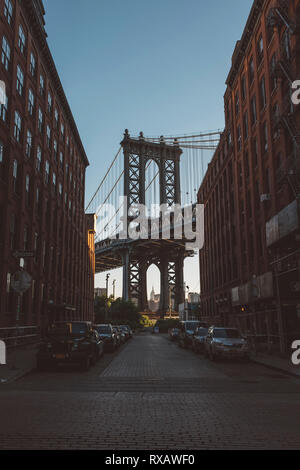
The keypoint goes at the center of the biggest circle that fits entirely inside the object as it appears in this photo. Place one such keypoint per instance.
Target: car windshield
(104, 329)
(226, 333)
(202, 331)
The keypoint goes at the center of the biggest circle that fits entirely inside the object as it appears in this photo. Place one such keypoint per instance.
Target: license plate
(59, 356)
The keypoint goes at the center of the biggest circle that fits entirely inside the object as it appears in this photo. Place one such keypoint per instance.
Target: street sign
(21, 281)
(24, 254)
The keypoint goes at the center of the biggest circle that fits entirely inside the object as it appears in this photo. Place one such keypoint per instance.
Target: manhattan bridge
(150, 171)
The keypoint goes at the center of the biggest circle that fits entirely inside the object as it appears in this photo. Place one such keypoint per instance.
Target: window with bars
(28, 143)
(17, 126)
(47, 172)
(38, 158)
(40, 120)
(22, 39)
(30, 101)
(8, 10)
(263, 98)
(42, 85)
(49, 103)
(32, 64)
(48, 136)
(20, 80)
(5, 55)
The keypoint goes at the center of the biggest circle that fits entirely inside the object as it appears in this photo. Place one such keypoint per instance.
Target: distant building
(100, 292)
(193, 298)
(154, 301)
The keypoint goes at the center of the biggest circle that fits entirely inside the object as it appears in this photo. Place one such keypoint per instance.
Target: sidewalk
(18, 363)
(274, 362)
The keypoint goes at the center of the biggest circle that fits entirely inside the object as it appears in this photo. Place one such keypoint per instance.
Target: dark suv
(70, 342)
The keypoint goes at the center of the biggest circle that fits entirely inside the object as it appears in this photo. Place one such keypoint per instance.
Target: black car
(127, 330)
(70, 342)
(107, 334)
(198, 340)
(119, 335)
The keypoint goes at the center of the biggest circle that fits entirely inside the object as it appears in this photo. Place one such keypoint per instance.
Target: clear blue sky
(158, 66)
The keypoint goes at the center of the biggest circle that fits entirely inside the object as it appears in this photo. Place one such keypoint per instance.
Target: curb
(277, 368)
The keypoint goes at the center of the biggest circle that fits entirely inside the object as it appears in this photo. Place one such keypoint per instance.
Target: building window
(62, 129)
(286, 44)
(20, 80)
(56, 118)
(42, 85)
(253, 110)
(22, 39)
(15, 175)
(28, 143)
(245, 125)
(38, 158)
(18, 126)
(260, 49)
(55, 149)
(251, 70)
(8, 10)
(5, 56)
(40, 120)
(263, 99)
(47, 172)
(49, 103)
(30, 101)
(54, 181)
(61, 158)
(48, 136)
(3, 109)
(1, 151)
(265, 136)
(32, 64)
(60, 189)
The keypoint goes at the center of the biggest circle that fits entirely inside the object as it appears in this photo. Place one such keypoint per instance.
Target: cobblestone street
(152, 395)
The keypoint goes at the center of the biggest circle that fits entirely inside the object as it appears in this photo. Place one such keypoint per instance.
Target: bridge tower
(137, 152)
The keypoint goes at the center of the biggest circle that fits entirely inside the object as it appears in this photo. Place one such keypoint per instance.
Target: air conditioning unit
(265, 197)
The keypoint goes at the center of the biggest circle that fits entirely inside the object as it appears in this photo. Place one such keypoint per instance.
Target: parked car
(120, 335)
(127, 330)
(198, 340)
(70, 342)
(187, 330)
(174, 334)
(107, 334)
(225, 342)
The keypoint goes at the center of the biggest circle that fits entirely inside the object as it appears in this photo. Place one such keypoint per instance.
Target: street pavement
(151, 394)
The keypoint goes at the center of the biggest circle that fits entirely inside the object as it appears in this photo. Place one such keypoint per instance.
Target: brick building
(249, 267)
(42, 179)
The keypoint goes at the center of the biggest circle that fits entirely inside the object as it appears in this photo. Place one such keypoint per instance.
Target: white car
(225, 342)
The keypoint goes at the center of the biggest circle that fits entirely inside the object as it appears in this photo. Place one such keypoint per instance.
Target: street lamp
(106, 301)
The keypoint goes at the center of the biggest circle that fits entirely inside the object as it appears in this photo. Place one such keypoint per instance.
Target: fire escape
(284, 69)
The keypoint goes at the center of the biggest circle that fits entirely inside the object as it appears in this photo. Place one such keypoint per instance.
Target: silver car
(225, 342)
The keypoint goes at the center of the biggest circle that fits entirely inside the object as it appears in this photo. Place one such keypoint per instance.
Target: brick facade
(251, 178)
(42, 178)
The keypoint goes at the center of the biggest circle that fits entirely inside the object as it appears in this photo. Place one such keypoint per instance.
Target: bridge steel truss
(168, 257)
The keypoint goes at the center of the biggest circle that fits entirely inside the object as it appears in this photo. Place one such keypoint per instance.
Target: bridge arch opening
(153, 288)
(152, 188)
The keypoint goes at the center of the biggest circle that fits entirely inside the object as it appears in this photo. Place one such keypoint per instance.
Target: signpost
(20, 283)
